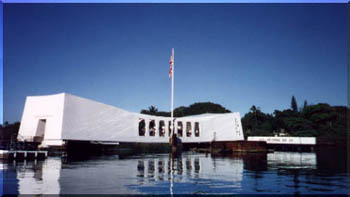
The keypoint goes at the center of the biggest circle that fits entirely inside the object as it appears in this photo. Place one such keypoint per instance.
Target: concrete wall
(69, 117)
(49, 108)
(90, 120)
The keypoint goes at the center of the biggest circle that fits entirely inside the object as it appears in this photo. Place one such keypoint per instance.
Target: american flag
(171, 62)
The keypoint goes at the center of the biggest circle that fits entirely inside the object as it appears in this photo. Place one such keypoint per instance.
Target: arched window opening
(179, 129)
(188, 129)
(142, 127)
(169, 128)
(161, 128)
(196, 129)
(152, 128)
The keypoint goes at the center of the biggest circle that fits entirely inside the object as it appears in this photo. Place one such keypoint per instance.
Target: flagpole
(172, 122)
(172, 95)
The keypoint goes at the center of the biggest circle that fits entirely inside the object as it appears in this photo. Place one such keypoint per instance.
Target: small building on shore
(284, 140)
(286, 143)
(52, 120)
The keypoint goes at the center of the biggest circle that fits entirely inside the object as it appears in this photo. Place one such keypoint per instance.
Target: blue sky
(237, 55)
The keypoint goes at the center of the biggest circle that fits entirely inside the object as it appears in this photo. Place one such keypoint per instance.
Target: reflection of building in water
(227, 168)
(161, 169)
(147, 167)
(179, 166)
(151, 168)
(292, 160)
(141, 168)
(197, 166)
(293, 163)
(188, 166)
(39, 177)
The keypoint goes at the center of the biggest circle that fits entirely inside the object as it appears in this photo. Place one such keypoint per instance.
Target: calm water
(190, 173)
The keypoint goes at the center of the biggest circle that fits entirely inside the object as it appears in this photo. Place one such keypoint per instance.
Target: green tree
(205, 107)
(194, 109)
(294, 105)
(254, 110)
(9, 132)
(152, 110)
(305, 104)
(257, 123)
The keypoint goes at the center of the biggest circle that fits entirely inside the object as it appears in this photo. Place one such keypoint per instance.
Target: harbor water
(189, 173)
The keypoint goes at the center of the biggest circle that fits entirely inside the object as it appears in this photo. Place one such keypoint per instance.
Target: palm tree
(294, 104)
(253, 109)
(152, 110)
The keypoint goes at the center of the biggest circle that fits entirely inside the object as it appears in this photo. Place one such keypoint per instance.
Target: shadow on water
(332, 160)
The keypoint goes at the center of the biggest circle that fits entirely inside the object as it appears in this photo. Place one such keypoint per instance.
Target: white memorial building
(54, 119)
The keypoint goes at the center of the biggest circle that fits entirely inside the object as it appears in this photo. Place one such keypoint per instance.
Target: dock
(239, 146)
(22, 155)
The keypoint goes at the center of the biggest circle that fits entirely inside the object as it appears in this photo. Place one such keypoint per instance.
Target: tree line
(194, 109)
(318, 120)
(8, 134)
